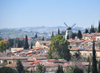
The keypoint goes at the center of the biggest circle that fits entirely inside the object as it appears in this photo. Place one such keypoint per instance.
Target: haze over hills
(31, 31)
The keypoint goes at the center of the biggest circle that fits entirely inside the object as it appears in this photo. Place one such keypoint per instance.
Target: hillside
(12, 33)
(31, 31)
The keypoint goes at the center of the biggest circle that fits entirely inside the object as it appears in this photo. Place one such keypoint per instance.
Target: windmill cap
(69, 28)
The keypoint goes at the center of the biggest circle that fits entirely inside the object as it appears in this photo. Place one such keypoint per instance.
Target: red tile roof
(35, 48)
(19, 50)
(35, 62)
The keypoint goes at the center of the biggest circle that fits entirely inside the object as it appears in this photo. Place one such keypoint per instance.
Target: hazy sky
(31, 13)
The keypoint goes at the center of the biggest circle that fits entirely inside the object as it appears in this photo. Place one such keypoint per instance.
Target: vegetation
(94, 62)
(4, 63)
(43, 38)
(79, 35)
(40, 68)
(77, 54)
(36, 35)
(88, 59)
(3, 46)
(89, 68)
(19, 42)
(7, 70)
(60, 69)
(99, 27)
(75, 70)
(31, 45)
(19, 66)
(10, 43)
(1, 38)
(58, 31)
(99, 66)
(13, 33)
(26, 46)
(92, 29)
(63, 32)
(59, 48)
(86, 30)
(52, 34)
(73, 35)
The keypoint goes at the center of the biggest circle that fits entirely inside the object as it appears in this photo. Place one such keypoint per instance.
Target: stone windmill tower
(69, 32)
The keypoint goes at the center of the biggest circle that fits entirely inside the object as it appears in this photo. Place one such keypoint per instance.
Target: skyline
(17, 14)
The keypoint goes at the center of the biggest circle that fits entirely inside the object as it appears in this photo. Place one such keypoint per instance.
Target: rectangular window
(44, 44)
(90, 54)
(84, 54)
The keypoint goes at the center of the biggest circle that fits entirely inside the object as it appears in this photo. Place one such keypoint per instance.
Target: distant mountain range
(31, 31)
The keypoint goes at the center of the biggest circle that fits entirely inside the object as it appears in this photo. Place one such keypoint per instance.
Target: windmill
(68, 34)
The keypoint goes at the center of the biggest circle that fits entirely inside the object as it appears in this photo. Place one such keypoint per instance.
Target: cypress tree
(99, 66)
(86, 30)
(92, 29)
(26, 46)
(60, 69)
(31, 45)
(58, 31)
(31, 70)
(43, 38)
(36, 35)
(73, 35)
(99, 27)
(94, 62)
(52, 34)
(19, 67)
(89, 70)
(79, 35)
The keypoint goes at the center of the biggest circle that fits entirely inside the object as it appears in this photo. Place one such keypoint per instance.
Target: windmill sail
(73, 25)
(65, 24)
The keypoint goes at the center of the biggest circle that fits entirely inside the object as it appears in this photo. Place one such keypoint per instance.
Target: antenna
(65, 24)
(73, 25)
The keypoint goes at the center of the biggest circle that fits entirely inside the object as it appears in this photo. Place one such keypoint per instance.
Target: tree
(36, 35)
(40, 68)
(26, 46)
(99, 66)
(94, 62)
(63, 32)
(10, 43)
(88, 59)
(86, 30)
(58, 31)
(92, 29)
(19, 66)
(60, 47)
(60, 69)
(31, 45)
(19, 42)
(79, 35)
(3, 46)
(31, 71)
(43, 38)
(73, 35)
(99, 27)
(7, 70)
(52, 34)
(1, 38)
(75, 70)
(77, 54)
(89, 69)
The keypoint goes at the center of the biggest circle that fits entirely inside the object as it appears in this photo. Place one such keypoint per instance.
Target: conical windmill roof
(69, 28)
